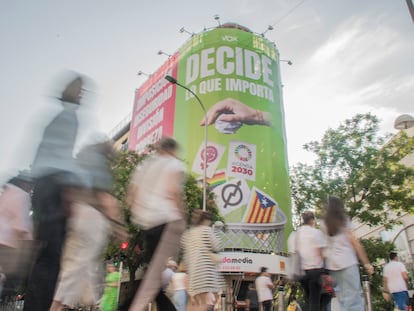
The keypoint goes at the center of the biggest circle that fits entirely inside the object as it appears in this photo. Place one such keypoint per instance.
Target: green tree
(134, 255)
(122, 169)
(356, 164)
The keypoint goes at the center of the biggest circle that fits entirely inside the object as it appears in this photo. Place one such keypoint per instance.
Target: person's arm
(132, 190)
(359, 249)
(270, 284)
(404, 275)
(385, 290)
(109, 206)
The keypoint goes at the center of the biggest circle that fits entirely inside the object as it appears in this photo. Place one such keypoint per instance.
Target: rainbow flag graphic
(218, 179)
(261, 208)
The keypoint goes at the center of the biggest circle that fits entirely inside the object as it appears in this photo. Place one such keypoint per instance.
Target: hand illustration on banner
(230, 114)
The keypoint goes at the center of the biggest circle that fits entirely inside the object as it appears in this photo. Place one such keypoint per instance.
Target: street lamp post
(174, 81)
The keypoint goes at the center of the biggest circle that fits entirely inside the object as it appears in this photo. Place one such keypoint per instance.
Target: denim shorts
(400, 299)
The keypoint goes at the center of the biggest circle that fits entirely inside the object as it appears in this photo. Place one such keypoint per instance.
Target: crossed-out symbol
(232, 194)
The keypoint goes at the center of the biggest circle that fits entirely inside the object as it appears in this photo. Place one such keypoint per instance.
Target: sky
(348, 57)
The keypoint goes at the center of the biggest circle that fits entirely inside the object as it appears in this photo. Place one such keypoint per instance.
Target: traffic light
(124, 245)
(116, 260)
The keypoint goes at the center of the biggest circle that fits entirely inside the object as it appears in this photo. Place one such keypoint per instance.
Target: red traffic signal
(124, 245)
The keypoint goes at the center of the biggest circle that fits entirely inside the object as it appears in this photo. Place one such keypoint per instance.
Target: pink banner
(154, 108)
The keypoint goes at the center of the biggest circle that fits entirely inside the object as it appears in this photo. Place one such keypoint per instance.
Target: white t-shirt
(153, 206)
(264, 293)
(340, 253)
(309, 243)
(178, 281)
(393, 272)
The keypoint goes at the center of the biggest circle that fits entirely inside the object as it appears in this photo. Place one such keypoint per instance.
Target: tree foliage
(361, 167)
(134, 254)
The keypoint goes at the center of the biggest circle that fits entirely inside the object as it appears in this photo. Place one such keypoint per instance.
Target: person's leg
(180, 299)
(50, 223)
(163, 302)
(401, 300)
(325, 302)
(167, 246)
(83, 247)
(267, 305)
(304, 282)
(350, 292)
(314, 283)
(42, 282)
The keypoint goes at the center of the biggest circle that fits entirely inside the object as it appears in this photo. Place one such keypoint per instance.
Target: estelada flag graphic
(261, 208)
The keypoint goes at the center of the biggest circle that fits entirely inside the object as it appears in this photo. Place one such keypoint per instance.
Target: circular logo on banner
(212, 154)
(243, 153)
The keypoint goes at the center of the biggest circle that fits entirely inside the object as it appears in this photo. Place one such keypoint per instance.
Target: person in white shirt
(342, 255)
(310, 244)
(168, 273)
(155, 196)
(395, 279)
(264, 287)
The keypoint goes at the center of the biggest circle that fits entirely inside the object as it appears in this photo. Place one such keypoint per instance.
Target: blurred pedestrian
(15, 227)
(342, 255)
(211, 301)
(93, 210)
(52, 169)
(252, 301)
(309, 242)
(156, 199)
(178, 288)
(168, 273)
(264, 287)
(395, 279)
(200, 249)
(109, 300)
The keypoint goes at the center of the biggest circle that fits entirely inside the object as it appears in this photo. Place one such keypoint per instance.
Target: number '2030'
(242, 170)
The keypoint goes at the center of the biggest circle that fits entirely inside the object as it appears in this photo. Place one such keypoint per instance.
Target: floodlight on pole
(182, 30)
(270, 27)
(161, 52)
(174, 81)
(217, 18)
(287, 61)
(142, 73)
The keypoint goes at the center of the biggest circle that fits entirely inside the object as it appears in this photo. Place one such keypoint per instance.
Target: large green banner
(235, 73)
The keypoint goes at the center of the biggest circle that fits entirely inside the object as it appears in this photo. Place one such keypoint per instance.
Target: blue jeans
(401, 300)
(349, 288)
(180, 299)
